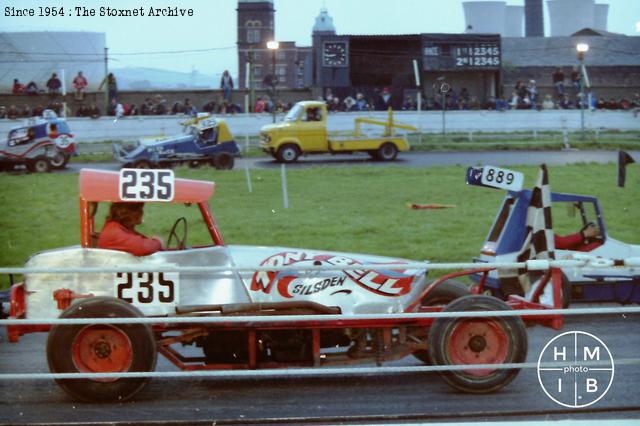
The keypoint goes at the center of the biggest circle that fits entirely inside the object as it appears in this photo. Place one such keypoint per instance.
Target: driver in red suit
(118, 232)
(580, 241)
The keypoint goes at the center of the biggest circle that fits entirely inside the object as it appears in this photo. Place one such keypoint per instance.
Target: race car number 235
(147, 288)
(146, 185)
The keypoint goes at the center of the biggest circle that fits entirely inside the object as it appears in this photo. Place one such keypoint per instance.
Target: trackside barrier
(580, 262)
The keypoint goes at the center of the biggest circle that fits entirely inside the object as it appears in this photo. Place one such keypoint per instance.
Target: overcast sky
(213, 26)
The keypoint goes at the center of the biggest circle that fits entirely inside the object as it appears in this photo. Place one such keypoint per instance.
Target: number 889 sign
(502, 178)
(146, 185)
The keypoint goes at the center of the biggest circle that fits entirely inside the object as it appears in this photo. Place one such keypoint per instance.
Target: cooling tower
(533, 17)
(485, 17)
(514, 17)
(569, 16)
(600, 16)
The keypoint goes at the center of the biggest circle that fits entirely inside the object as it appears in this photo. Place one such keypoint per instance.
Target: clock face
(334, 54)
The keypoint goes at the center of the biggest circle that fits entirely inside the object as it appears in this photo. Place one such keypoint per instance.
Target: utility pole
(106, 81)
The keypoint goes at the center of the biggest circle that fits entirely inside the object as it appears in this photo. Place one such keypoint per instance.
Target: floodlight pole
(582, 48)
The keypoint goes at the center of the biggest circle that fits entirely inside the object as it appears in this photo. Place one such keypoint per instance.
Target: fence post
(248, 175)
(285, 194)
(246, 142)
(470, 136)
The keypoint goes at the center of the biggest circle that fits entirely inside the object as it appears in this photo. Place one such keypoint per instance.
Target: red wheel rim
(102, 349)
(478, 342)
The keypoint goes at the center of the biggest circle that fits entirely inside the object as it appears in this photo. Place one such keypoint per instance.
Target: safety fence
(580, 262)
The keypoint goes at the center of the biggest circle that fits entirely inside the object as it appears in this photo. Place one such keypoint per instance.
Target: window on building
(253, 31)
(281, 55)
(257, 71)
(281, 70)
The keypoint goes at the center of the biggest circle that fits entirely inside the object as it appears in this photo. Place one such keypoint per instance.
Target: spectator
(501, 104)
(335, 105)
(83, 111)
(575, 79)
(565, 102)
(32, 88)
(409, 105)
(349, 103)
(54, 85)
(189, 109)
(513, 104)
(37, 111)
(18, 88)
(147, 107)
(12, 112)
(533, 93)
(548, 103)
(384, 100)
(259, 106)
(328, 98)
(612, 104)
(159, 105)
(26, 111)
(558, 81)
(112, 86)
(80, 84)
(177, 108)
(361, 103)
(226, 84)
(94, 111)
(474, 103)
(3, 112)
(133, 110)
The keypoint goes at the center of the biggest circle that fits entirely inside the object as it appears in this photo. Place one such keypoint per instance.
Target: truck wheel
(288, 153)
(142, 164)
(443, 294)
(223, 161)
(494, 340)
(87, 348)
(39, 165)
(387, 152)
(60, 160)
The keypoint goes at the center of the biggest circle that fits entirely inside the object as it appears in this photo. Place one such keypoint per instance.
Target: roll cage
(98, 186)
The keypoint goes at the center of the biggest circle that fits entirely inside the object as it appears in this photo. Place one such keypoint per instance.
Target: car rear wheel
(60, 160)
(443, 294)
(468, 340)
(39, 165)
(288, 153)
(387, 152)
(223, 161)
(97, 348)
(142, 164)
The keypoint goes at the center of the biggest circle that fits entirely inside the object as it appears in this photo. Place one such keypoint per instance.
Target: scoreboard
(456, 53)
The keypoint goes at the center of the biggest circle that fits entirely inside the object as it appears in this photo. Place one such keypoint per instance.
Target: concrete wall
(514, 21)
(568, 16)
(131, 128)
(484, 17)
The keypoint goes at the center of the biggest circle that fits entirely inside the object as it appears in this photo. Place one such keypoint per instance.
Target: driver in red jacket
(118, 232)
(580, 241)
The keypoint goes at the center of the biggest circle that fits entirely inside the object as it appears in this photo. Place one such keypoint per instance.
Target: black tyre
(443, 294)
(87, 348)
(288, 153)
(39, 165)
(60, 160)
(494, 340)
(387, 152)
(142, 164)
(223, 161)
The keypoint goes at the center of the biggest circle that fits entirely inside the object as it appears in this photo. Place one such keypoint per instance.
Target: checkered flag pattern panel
(538, 243)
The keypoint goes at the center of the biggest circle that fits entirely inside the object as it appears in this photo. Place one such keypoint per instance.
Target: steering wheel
(597, 238)
(181, 242)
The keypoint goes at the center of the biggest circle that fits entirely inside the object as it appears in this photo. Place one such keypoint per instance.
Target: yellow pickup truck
(304, 131)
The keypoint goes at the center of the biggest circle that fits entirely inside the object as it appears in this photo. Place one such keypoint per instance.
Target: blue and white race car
(571, 213)
(44, 143)
(205, 140)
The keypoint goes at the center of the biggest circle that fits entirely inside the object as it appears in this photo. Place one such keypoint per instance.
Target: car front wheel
(288, 153)
(40, 165)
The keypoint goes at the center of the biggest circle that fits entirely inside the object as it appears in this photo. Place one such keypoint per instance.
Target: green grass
(360, 209)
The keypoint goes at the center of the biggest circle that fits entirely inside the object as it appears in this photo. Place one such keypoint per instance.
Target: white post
(416, 75)
(285, 195)
(248, 175)
(246, 103)
(246, 142)
(64, 94)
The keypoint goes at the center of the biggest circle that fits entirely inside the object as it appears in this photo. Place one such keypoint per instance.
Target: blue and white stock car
(205, 141)
(571, 213)
(44, 143)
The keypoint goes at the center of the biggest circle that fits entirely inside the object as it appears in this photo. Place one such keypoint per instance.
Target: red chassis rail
(389, 338)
